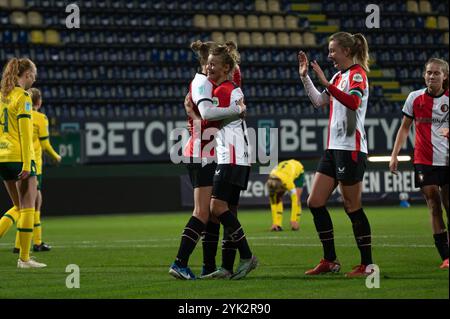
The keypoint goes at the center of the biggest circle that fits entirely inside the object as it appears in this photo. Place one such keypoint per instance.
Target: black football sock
(237, 235)
(441, 242)
(189, 238)
(361, 230)
(229, 250)
(210, 242)
(324, 227)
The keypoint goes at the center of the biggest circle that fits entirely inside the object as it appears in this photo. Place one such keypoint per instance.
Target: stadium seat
(243, 39)
(257, 38)
(261, 5)
(295, 39)
(212, 21)
(283, 39)
(18, 18)
(199, 21)
(270, 39)
(239, 22)
(446, 38)
(218, 37)
(412, 6)
(231, 36)
(226, 21)
(431, 23)
(291, 22)
(442, 23)
(17, 4)
(35, 19)
(309, 39)
(37, 37)
(252, 21)
(424, 6)
(273, 6)
(52, 37)
(4, 4)
(278, 22)
(265, 22)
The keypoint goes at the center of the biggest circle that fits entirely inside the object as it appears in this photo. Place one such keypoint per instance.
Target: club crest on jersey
(357, 77)
(27, 106)
(201, 90)
(215, 101)
(444, 108)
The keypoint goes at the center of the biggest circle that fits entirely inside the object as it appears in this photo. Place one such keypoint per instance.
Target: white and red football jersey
(232, 140)
(201, 89)
(430, 114)
(345, 126)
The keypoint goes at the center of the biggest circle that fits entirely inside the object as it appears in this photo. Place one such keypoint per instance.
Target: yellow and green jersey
(16, 128)
(288, 172)
(41, 139)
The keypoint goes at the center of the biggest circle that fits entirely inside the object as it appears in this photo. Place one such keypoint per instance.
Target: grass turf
(129, 256)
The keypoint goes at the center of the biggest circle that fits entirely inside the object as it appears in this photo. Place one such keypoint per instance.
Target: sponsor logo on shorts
(341, 170)
(217, 172)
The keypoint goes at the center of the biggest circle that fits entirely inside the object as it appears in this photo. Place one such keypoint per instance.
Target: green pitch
(128, 257)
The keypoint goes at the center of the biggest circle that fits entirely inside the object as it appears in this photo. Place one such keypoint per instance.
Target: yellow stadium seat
(218, 37)
(270, 39)
(309, 39)
(52, 37)
(424, 6)
(231, 36)
(283, 39)
(37, 37)
(17, 3)
(199, 21)
(257, 38)
(252, 21)
(212, 21)
(291, 22)
(18, 18)
(273, 6)
(296, 39)
(265, 22)
(412, 6)
(35, 19)
(4, 4)
(244, 39)
(240, 22)
(442, 22)
(278, 22)
(431, 23)
(446, 38)
(226, 21)
(261, 5)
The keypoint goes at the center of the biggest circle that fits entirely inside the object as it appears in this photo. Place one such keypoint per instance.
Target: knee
(218, 206)
(314, 203)
(202, 214)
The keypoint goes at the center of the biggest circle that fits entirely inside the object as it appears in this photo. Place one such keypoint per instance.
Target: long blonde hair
(13, 70)
(444, 66)
(357, 43)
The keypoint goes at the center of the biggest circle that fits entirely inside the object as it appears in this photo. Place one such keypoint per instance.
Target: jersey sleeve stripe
(203, 100)
(357, 91)
(407, 115)
(43, 138)
(21, 116)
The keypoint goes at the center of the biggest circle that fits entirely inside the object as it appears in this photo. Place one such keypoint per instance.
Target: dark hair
(357, 43)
